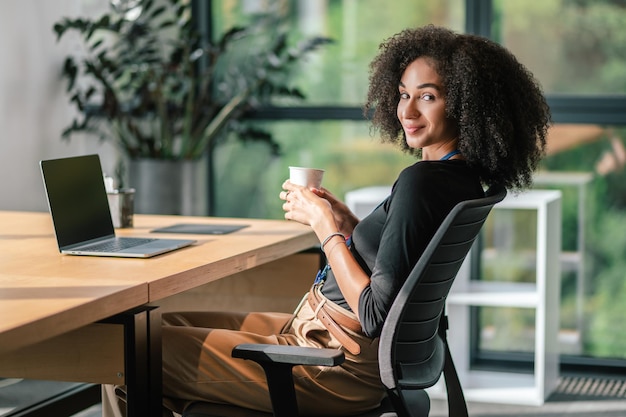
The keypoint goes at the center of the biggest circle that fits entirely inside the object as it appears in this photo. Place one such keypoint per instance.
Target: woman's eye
(428, 97)
(404, 96)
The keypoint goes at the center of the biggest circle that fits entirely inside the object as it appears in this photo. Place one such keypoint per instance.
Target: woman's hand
(300, 205)
(306, 207)
(344, 218)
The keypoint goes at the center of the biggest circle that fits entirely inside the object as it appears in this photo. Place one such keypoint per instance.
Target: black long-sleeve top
(389, 241)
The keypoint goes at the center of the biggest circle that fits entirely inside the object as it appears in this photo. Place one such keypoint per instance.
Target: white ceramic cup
(307, 177)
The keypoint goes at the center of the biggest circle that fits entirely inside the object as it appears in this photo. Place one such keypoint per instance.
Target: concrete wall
(34, 108)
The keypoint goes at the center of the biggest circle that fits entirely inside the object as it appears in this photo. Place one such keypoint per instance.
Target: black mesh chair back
(413, 350)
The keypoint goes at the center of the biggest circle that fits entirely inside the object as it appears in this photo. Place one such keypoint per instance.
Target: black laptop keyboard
(119, 244)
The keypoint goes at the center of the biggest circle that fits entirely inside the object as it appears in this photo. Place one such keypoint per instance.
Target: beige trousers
(197, 364)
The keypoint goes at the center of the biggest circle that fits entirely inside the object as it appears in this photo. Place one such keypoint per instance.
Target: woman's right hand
(344, 218)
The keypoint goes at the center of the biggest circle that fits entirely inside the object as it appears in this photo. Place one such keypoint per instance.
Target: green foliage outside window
(573, 46)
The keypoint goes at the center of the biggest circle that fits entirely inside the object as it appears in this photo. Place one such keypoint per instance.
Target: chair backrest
(411, 352)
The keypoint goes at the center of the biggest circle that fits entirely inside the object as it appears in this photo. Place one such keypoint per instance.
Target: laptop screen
(77, 199)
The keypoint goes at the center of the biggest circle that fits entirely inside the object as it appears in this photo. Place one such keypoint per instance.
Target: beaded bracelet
(330, 236)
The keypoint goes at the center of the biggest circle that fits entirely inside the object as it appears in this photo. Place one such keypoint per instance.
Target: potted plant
(148, 84)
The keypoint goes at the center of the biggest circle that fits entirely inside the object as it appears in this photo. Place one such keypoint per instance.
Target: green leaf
(70, 71)
(59, 29)
(96, 44)
(157, 12)
(166, 24)
(157, 88)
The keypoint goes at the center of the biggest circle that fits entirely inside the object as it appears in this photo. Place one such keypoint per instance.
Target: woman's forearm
(350, 277)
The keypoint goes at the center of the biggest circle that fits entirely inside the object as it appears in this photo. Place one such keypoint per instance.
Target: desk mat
(201, 229)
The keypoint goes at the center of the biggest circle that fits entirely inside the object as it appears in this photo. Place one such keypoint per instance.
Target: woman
(473, 116)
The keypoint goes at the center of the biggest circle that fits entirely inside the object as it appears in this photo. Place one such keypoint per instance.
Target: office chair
(413, 350)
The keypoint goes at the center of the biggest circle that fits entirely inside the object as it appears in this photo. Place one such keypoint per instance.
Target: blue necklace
(450, 155)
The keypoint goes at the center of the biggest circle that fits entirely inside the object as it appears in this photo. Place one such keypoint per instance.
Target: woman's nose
(410, 110)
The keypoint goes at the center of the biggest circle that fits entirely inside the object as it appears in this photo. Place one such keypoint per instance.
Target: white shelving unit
(572, 260)
(363, 200)
(543, 296)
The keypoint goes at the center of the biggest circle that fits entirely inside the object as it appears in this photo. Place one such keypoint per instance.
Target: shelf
(530, 200)
(579, 179)
(496, 387)
(502, 294)
(363, 200)
(570, 260)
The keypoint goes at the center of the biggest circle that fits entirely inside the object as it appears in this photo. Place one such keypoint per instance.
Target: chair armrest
(293, 355)
(277, 361)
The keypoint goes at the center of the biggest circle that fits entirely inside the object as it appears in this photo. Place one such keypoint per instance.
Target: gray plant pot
(169, 187)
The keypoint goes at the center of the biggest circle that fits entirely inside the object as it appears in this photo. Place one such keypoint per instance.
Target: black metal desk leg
(155, 363)
(142, 361)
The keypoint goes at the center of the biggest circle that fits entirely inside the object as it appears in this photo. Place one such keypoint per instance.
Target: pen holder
(121, 204)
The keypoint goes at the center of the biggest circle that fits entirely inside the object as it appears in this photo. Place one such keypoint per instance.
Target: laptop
(80, 212)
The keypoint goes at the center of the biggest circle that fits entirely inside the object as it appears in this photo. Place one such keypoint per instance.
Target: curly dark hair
(497, 105)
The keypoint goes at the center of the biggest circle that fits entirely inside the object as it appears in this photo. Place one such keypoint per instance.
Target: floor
(95, 411)
(582, 409)
(18, 393)
(550, 409)
(575, 396)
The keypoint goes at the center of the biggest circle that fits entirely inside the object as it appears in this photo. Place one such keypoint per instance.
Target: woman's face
(422, 111)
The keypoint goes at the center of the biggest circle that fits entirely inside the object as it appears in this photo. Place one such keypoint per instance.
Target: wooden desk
(56, 308)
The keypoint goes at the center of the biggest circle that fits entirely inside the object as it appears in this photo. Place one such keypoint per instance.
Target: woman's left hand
(304, 206)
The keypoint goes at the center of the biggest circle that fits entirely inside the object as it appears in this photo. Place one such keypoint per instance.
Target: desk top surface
(44, 293)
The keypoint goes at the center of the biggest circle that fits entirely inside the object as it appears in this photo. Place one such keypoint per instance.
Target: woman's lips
(412, 129)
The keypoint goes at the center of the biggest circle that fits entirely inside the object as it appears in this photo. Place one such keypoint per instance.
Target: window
(339, 76)
(572, 46)
(577, 50)
(344, 149)
(335, 83)
(578, 63)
